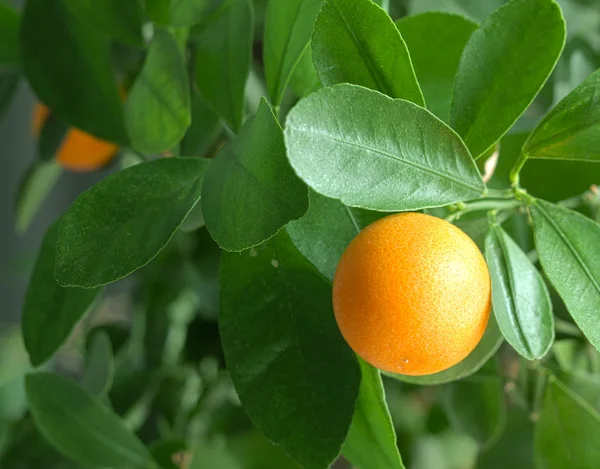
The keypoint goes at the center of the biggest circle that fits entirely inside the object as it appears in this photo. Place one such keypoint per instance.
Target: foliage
(257, 139)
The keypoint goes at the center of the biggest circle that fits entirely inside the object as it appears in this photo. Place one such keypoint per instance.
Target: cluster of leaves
(245, 220)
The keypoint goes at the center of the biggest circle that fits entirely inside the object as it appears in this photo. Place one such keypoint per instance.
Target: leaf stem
(514, 172)
(483, 205)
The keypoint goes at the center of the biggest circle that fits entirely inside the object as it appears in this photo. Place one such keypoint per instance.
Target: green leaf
(228, 33)
(158, 110)
(355, 145)
(213, 454)
(52, 135)
(187, 13)
(570, 131)
(10, 22)
(124, 221)
(51, 311)
(275, 337)
(566, 242)
(8, 86)
(288, 27)
(323, 234)
(78, 426)
(357, 42)
(120, 20)
(99, 366)
(487, 347)
(204, 129)
(305, 80)
(250, 191)
(520, 298)
(568, 431)
(371, 442)
(503, 67)
(78, 84)
(13, 355)
(436, 56)
(514, 449)
(37, 183)
(475, 405)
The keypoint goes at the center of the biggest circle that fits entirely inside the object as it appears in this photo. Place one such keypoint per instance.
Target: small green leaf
(124, 221)
(288, 27)
(475, 405)
(436, 56)
(158, 109)
(519, 295)
(78, 84)
(370, 151)
(487, 347)
(275, 337)
(10, 22)
(13, 355)
(503, 67)
(323, 234)
(568, 431)
(566, 242)
(99, 366)
(228, 33)
(250, 191)
(51, 311)
(120, 20)
(204, 130)
(187, 13)
(355, 41)
(371, 442)
(37, 183)
(570, 131)
(78, 426)
(305, 80)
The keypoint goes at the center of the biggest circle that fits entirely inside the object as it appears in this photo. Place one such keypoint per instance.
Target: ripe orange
(412, 294)
(80, 151)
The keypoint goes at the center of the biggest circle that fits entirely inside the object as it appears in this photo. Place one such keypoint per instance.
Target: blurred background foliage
(150, 347)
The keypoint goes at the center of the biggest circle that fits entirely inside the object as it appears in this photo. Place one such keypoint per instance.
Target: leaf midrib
(396, 158)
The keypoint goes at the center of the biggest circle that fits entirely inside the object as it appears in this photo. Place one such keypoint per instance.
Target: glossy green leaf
(520, 298)
(158, 108)
(371, 442)
(250, 191)
(121, 223)
(204, 129)
(475, 405)
(228, 33)
(503, 67)
(99, 366)
(355, 41)
(51, 312)
(288, 27)
(276, 322)
(78, 84)
(474, 9)
(10, 21)
(119, 19)
(354, 144)
(37, 183)
(78, 426)
(570, 131)
(568, 431)
(514, 449)
(436, 56)
(487, 347)
(565, 242)
(325, 231)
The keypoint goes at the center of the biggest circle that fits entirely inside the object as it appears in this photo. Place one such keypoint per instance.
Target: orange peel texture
(412, 294)
(79, 151)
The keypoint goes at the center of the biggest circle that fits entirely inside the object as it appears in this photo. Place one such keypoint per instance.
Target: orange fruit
(412, 294)
(79, 151)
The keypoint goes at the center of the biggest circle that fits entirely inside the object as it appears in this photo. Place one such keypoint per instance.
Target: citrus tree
(272, 307)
